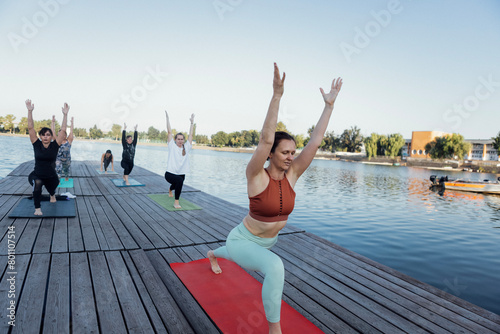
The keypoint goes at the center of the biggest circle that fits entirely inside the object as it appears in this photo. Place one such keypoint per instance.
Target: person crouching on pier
(178, 160)
(128, 154)
(272, 199)
(106, 159)
(45, 150)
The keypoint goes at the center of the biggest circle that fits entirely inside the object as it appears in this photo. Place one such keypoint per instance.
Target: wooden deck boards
(107, 269)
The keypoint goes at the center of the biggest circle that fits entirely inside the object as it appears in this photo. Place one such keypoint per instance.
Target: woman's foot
(177, 205)
(38, 212)
(66, 179)
(53, 199)
(170, 194)
(274, 327)
(213, 261)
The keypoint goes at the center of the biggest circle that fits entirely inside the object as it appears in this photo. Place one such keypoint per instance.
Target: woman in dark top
(128, 152)
(45, 157)
(106, 159)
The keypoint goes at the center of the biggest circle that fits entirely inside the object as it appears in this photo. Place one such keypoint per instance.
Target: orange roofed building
(421, 138)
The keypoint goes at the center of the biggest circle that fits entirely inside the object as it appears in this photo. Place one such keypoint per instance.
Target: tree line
(350, 140)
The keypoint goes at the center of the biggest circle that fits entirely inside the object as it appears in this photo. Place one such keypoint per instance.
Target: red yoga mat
(233, 299)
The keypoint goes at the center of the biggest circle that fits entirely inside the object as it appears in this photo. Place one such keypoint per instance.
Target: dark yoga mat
(62, 208)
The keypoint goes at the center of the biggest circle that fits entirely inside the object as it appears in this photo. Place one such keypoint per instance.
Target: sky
(406, 65)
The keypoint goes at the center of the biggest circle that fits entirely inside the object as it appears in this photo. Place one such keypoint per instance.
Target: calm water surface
(385, 213)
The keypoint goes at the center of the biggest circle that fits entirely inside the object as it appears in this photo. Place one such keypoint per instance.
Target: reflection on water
(383, 212)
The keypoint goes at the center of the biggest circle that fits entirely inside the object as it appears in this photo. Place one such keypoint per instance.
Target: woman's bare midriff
(263, 229)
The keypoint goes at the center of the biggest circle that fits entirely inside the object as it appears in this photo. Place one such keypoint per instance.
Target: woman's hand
(192, 119)
(29, 105)
(65, 109)
(124, 126)
(278, 82)
(135, 127)
(334, 91)
(166, 114)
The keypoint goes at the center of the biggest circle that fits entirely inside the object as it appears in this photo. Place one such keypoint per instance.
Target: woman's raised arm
(169, 128)
(31, 125)
(191, 128)
(62, 134)
(266, 139)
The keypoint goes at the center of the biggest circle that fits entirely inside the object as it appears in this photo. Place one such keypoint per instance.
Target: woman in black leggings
(178, 161)
(128, 152)
(45, 150)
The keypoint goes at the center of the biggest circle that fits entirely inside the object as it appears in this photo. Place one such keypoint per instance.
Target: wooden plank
(376, 288)
(149, 306)
(143, 234)
(97, 227)
(11, 293)
(60, 237)
(108, 232)
(125, 236)
(83, 312)
(135, 316)
(90, 241)
(29, 314)
(170, 312)
(57, 308)
(108, 308)
(75, 237)
(27, 239)
(44, 237)
(470, 315)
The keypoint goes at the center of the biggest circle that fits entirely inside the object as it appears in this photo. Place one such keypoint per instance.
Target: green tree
(235, 139)
(23, 125)
(299, 140)
(331, 142)
(448, 147)
(395, 142)
(201, 139)
(220, 139)
(351, 139)
(163, 136)
(80, 132)
(2, 119)
(496, 143)
(116, 131)
(371, 144)
(281, 127)
(8, 122)
(382, 145)
(95, 133)
(45, 123)
(153, 133)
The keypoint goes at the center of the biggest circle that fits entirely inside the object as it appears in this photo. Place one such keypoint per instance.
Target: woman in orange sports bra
(272, 199)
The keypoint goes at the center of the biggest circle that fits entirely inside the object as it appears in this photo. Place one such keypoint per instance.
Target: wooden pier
(107, 269)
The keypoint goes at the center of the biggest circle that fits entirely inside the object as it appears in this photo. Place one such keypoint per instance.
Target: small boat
(486, 186)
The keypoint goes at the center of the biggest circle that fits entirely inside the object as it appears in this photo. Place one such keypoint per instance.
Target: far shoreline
(339, 156)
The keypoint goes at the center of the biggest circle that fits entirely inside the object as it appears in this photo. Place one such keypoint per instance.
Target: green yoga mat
(168, 203)
(65, 184)
(121, 183)
(62, 208)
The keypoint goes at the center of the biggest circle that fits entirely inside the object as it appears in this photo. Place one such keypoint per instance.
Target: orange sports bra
(275, 203)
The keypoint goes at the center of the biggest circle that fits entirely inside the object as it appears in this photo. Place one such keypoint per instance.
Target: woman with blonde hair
(178, 160)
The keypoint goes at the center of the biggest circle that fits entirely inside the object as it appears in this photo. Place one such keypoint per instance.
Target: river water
(386, 213)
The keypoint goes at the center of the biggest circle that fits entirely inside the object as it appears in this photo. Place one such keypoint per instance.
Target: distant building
(421, 138)
(482, 149)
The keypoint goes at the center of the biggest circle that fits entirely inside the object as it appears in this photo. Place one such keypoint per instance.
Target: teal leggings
(252, 252)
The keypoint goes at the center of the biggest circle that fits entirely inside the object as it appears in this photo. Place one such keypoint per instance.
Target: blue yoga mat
(109, 172)
(65, 184)
(121, 183)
